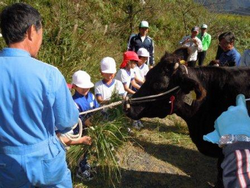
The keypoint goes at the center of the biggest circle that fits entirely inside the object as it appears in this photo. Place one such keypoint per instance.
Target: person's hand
(86, 140)
(214, 63)
(235, 121)
(87, 122)
(195, 42)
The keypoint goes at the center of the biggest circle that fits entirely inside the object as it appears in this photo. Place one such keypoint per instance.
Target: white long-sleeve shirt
(193, 48)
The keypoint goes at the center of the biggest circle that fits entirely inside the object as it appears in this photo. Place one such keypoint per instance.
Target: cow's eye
(156, 86)
(159, 86)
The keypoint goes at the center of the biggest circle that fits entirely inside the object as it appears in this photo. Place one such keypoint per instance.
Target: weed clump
(108, 133)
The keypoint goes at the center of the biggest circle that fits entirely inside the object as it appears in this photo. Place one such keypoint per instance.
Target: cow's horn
(176, 66)
(127, 106)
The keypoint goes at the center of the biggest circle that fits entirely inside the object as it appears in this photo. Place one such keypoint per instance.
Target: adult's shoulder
(52, 74)
(134, 36)
(46, 66)
(150, 38)
(235, 51)
(207, 34)
(186, 37)
(197, 38)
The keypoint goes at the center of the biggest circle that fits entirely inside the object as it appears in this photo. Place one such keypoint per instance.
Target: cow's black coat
(216, 89)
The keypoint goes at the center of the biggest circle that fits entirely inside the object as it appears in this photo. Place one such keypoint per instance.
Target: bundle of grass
(108, 133)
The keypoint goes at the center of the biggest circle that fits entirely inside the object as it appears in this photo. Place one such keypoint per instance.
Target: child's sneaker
(136, 125)
(140, 124)
(86, 175)
(87, 166)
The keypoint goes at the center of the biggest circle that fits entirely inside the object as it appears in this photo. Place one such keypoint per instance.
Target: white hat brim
(85, 86)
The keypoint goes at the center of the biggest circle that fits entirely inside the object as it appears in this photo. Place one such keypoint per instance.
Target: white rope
(75, 137)
(155, 96)
(102, 107)
(161, 94)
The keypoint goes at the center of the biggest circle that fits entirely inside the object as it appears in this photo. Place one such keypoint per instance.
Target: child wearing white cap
(85, 100)
(141, 69)
(140, 72)
(105, 88)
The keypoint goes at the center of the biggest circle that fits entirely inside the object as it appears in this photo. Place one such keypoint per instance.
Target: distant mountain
(241, 7)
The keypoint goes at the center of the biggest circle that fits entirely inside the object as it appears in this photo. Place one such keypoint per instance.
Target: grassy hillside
(79, 33)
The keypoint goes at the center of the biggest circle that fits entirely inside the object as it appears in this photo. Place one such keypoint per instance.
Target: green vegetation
(109, 132)
(78, 34)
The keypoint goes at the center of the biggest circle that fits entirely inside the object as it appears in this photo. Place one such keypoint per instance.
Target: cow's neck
(222, 86)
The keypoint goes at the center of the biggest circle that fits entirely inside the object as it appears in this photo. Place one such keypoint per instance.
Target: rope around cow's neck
(153, 97)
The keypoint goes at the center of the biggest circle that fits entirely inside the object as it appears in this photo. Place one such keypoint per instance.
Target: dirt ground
(161, 155)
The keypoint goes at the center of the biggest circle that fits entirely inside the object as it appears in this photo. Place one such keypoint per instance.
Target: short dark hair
(16, 20)
(228, 36)
(220, 37)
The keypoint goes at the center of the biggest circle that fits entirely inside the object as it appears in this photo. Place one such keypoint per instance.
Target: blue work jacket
(34, 99)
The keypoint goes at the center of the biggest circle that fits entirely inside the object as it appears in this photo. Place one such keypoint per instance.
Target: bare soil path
(162, 155)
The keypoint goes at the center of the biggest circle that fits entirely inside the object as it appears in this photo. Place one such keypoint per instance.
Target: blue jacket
(230, 58)
(85, 103)
(34, 99)
(135, 43)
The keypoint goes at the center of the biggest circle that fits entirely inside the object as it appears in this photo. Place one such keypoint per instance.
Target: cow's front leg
(219, 183)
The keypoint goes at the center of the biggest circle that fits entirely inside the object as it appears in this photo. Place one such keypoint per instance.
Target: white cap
(82, 79)
(143, 52)
(108, 65)
(144, 24)
(203, 26)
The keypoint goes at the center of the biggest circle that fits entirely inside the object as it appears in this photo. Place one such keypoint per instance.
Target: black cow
(215, 88)
(181, 53)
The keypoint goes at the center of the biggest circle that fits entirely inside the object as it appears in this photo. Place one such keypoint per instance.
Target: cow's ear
(189, 84)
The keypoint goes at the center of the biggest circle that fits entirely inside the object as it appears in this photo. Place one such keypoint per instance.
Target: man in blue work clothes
(34, 100)
(230, 56)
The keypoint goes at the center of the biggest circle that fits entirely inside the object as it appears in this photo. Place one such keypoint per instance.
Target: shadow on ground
(200, 170)
(162, 166)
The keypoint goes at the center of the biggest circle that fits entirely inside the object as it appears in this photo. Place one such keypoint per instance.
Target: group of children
(128, 80)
